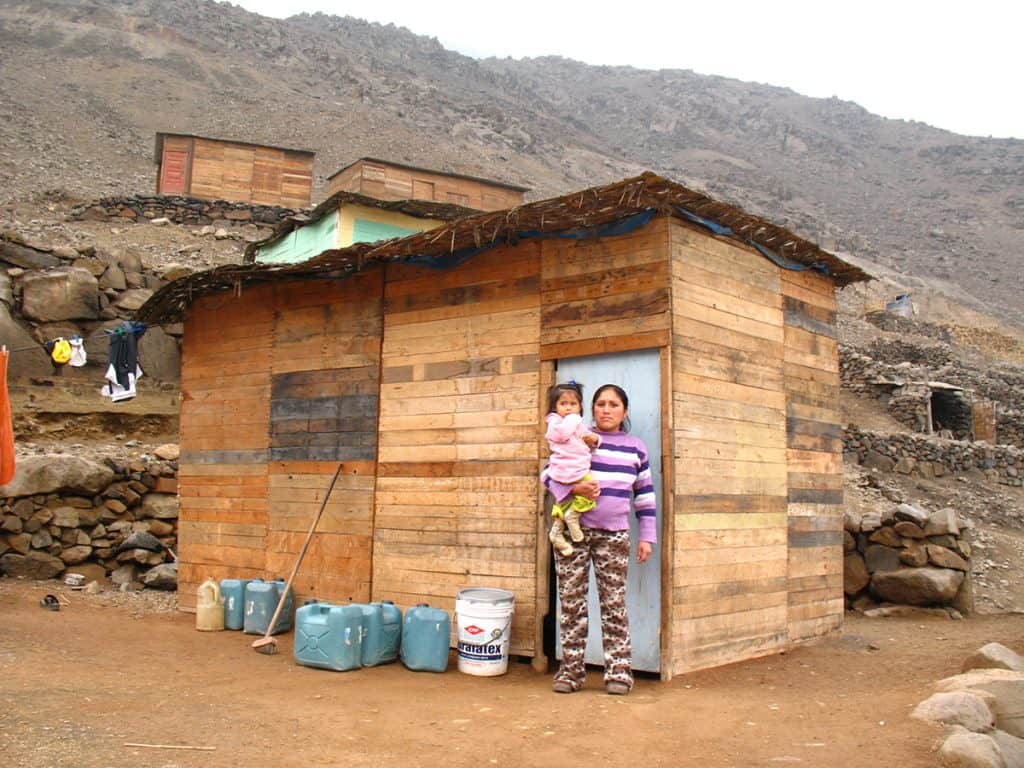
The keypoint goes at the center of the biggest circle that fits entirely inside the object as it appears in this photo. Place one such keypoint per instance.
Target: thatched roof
(577, 212)
(421, 209)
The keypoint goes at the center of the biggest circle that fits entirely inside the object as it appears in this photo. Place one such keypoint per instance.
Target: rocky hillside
(87, 83)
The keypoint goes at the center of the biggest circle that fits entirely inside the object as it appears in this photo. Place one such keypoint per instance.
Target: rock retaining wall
(64, 291)
(67, 514)
(907, 365)
(906, 556)
(932, 456)
(180, 210)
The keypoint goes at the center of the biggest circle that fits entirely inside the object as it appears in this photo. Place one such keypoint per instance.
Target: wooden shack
(421, 364)
(385, 180)
(220, 169)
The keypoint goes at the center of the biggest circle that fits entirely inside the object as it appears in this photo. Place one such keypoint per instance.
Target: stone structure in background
(66, 513)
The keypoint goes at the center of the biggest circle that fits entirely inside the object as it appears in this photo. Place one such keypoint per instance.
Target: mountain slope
(87, 83)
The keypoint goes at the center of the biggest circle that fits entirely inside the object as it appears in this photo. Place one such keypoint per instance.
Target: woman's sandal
(615, 688)
(50, 603)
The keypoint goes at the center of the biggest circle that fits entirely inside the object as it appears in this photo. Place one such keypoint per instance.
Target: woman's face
(609, 411)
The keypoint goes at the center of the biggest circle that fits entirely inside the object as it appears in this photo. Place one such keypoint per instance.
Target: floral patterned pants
(609, 552)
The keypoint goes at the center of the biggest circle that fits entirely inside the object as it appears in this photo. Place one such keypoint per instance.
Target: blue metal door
(639, 374)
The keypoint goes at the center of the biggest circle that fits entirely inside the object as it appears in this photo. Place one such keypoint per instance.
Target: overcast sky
(954, 65)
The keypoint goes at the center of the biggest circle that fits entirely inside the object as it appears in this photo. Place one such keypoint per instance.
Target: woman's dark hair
(622, 396)
(570, 386)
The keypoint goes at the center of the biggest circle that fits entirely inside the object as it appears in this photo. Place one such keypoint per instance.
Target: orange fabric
(6, 428)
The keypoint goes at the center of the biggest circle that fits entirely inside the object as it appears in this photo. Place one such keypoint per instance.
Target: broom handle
(302, 554)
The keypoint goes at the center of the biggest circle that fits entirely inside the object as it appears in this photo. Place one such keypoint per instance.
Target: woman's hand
(643, 551)
(588, 489)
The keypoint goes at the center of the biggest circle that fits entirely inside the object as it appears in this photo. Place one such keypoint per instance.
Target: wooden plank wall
(814, 453)
(279, 386)
(456, 496)
(729, 591)
(222, 475)
(248, 173)
(323, 410)
(609, 294)
(387, 182)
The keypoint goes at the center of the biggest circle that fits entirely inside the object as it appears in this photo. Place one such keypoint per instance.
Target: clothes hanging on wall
(6, 427)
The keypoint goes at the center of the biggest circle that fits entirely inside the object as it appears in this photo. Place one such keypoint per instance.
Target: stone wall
(932, 456)
(63, 291)
(181, 210)
(906, 555)
(64, 513)
(907, 365)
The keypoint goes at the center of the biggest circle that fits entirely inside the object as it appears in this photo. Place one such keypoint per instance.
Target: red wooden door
(172, 172)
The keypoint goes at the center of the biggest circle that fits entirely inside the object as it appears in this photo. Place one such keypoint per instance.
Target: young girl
(571, 444)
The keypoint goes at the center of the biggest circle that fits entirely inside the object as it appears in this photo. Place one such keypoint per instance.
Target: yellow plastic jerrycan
(209, 607)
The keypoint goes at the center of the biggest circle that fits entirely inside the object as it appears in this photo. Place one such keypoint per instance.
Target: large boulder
(163, 576)
(855, 574)
(916, 586)
(159, 355)
(965, 749)
(970, 709)
(34, 565)
(912, 514)
(24, 257)
(63, 293)
(1011, 747)
(881, 558)
(141, 540)
(56, 473)
(943, 521)
(133, 298)
(27, 362)
(993, 656)
(162, 506)
(1007, 687)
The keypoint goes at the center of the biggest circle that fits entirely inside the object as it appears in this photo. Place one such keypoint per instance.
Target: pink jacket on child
(570, 456)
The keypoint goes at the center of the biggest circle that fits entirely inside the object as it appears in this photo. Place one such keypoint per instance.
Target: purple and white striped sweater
(620, 466)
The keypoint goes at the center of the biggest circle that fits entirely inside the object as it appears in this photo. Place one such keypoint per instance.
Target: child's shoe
(558, 541)
(572, 522)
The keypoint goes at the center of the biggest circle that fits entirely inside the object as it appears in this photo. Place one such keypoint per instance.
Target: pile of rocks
(64, 512)
(49, 292)
(906, 556)
(984, 707)
(180, 210)
(931, 456)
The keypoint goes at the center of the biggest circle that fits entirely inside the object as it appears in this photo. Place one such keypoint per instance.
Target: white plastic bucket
(484, 617)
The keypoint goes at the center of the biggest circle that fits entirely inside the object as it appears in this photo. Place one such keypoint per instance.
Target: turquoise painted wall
(302, 243)
(364, 231)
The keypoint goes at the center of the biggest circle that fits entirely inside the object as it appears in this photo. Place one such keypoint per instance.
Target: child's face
(567, 403)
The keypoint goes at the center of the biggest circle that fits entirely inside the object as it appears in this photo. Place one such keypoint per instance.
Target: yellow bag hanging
(61, 351)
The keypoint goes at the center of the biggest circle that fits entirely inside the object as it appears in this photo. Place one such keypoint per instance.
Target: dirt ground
(78, 684)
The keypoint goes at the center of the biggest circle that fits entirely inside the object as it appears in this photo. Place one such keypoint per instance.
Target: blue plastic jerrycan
(382, 632)
(426, 635)
(329, 636)
(233, 591)
(260, 603)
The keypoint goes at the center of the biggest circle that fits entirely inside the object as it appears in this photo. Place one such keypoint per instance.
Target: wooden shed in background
(385, 180)
(220, 169)
(422, 364)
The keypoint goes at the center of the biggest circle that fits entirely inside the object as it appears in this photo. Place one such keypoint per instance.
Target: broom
(268, 644)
